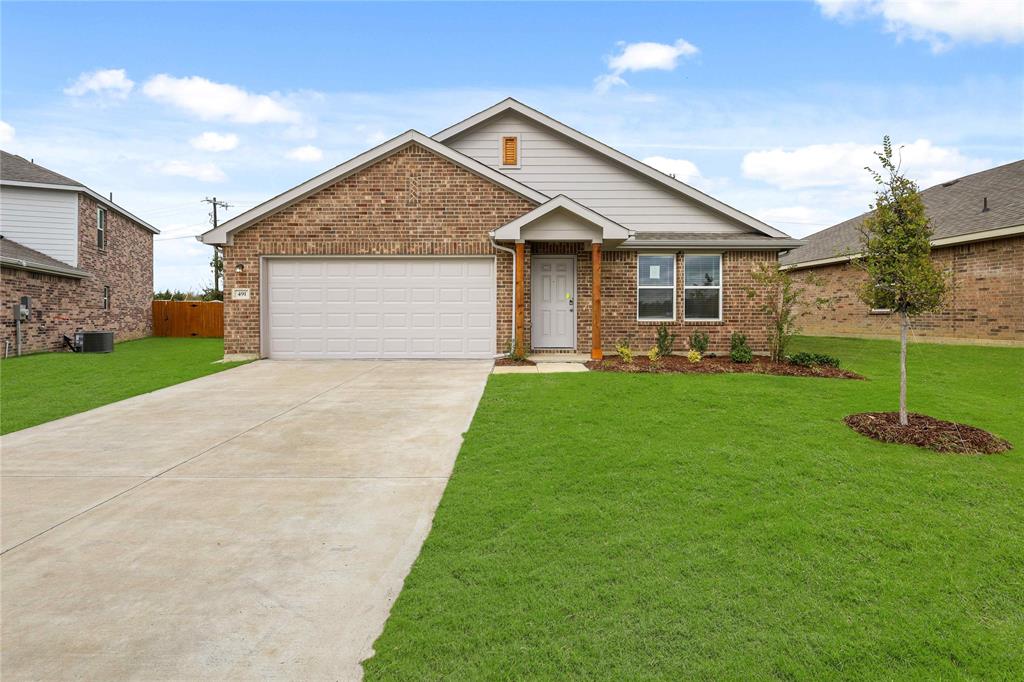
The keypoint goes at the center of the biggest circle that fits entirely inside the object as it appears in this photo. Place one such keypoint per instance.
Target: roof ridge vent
(950, 183)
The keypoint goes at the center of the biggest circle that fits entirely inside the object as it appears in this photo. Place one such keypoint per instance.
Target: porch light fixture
(239, 267)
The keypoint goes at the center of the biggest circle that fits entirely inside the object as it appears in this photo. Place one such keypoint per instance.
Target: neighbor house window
(106, 298)
(510, 150)
(702, 287)
(101, 228)
(656, 287)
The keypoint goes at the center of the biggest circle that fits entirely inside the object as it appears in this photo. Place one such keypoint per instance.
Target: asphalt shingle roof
(955, 209)
(20, 256)
(18, 169)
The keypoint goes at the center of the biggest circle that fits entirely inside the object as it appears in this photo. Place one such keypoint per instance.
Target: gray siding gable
(42, 219)
(554, 164)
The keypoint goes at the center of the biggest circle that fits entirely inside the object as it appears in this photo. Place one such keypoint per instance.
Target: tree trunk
(903, 368)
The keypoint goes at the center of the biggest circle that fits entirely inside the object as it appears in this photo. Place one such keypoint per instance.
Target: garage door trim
(264, 284)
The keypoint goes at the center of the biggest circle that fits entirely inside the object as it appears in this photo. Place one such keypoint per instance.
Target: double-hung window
(656, 287)
(101, 228)
(702, 287)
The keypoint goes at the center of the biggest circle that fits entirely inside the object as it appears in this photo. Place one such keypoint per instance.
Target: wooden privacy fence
(188, 318)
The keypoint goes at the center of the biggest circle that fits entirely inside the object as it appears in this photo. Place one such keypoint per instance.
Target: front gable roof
(222, 234)
(609, 229)
(629, 162)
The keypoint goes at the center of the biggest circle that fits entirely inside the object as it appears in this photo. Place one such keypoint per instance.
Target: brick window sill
(700, 323)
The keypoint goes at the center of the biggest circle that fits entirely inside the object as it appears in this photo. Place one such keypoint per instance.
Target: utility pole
(216, 251)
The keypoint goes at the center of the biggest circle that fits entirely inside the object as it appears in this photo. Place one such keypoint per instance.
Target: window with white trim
(702, 287)
(101, 228)
(106, 298)
(656, 287)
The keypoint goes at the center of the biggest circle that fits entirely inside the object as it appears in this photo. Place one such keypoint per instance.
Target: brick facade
(619, 271)
(63, 305)
(417, 203)
(986, 304)
(413, 203)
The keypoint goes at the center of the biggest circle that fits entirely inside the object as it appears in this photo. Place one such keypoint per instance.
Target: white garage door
(380, 308)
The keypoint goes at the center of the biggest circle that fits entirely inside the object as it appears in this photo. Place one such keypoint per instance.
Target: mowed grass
(39, 388)
(604, 526)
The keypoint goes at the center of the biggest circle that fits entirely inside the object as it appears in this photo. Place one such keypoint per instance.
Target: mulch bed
(675, 364)
(509, 362)
(926, 432)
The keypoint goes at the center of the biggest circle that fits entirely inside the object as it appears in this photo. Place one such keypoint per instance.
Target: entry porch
(559, 249)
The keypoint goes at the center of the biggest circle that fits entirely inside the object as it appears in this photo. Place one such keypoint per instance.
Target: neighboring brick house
(978, 238)
(507, 226)
(86, 263)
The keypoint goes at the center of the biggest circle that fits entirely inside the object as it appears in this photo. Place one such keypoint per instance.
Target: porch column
(520, 296)
(595, 308)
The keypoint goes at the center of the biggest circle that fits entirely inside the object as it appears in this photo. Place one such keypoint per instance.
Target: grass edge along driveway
(38, 388)
(612, 526)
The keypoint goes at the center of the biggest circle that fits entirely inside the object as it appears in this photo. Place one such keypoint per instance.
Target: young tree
(782, 299)
(896, 254)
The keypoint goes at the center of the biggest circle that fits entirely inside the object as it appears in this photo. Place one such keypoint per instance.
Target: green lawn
(39, 388)
(617, 526)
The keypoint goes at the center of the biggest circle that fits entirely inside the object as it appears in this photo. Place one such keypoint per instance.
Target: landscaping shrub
(739, 351)
(624, 351)
(812, 359)
(666, 341)
(694, 356)
(654, 354)
(699, 342)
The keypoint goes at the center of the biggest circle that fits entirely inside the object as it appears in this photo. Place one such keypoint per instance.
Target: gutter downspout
(512, 253)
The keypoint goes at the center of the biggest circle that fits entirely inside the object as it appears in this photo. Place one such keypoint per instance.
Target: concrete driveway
(254, 523)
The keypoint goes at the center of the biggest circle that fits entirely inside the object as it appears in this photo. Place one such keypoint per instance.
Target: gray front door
(553, 292)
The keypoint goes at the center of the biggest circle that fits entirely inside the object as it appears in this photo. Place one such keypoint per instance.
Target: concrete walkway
(256, 523)
(548, 363)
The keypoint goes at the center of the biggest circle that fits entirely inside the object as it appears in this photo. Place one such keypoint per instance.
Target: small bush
(739, 351)
(624, 351)
(693, 356)
(699, 342)
(812, 359)
(654, 355)
(666, 341)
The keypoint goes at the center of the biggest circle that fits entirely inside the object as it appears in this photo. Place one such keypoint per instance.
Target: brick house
(86, 263)
(508, 227)
(978, 225)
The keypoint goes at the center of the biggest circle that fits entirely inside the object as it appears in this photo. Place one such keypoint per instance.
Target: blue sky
(772, 107)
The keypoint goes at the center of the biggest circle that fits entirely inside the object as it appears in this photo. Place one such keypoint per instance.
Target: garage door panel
(339, 294)
(381, 307)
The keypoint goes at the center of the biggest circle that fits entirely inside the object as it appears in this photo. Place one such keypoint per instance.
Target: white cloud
(305, 153)
(938, 22)
(682, 169)
(643, 57)
(206, 172)
(112, 82)
(215, 142)
(842, 164)
(6, 132)
(218, 101)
